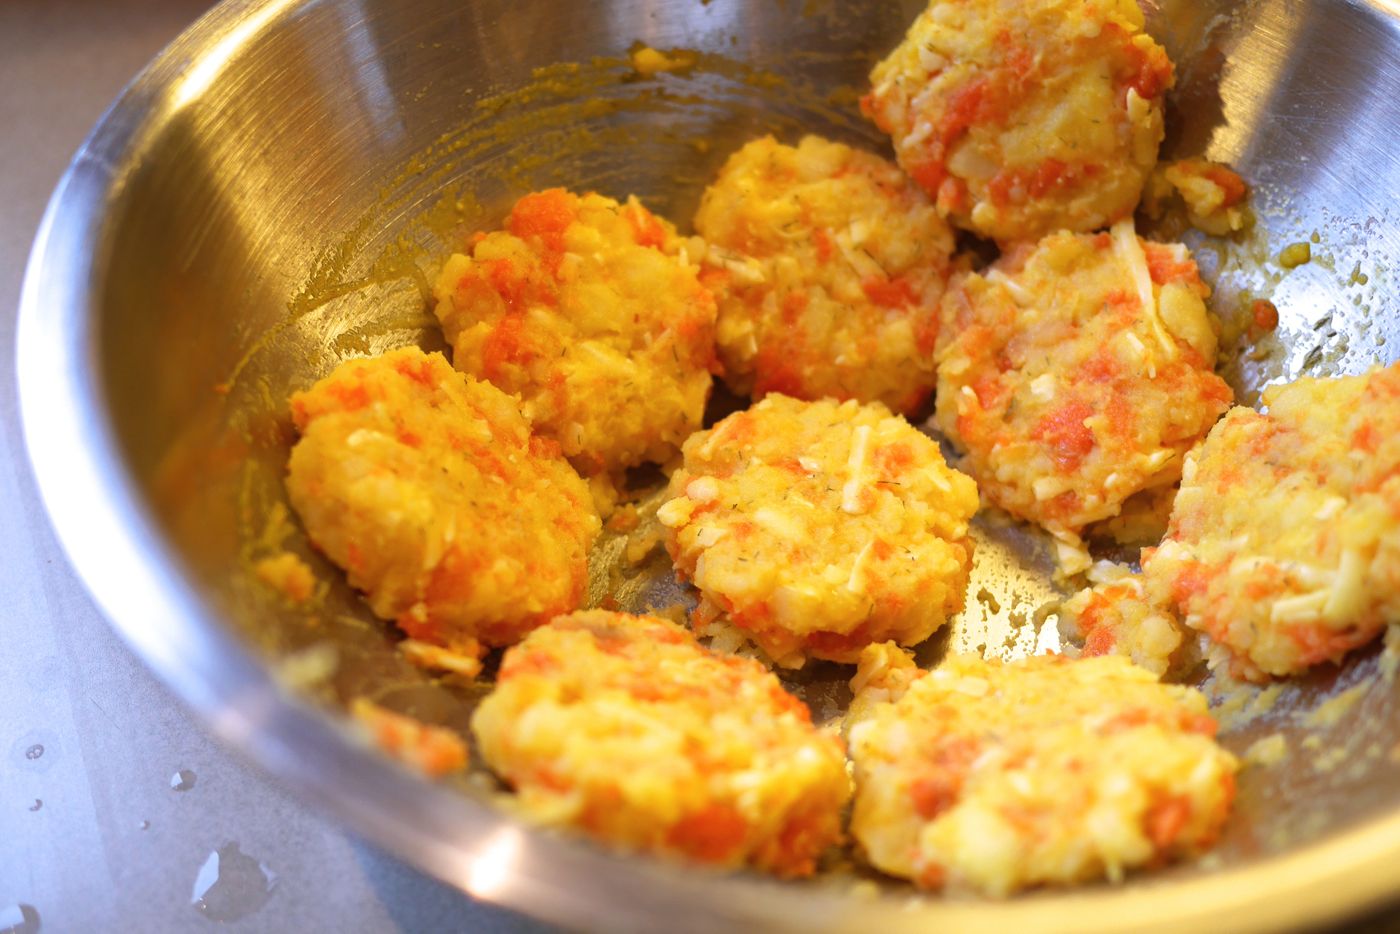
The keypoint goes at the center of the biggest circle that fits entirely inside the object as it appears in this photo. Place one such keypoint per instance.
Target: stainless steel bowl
(270, 196)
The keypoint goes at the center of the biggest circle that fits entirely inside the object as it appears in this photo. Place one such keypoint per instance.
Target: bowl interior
(287, 197)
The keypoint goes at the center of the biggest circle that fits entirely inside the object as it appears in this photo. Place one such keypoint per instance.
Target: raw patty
(998, 776)
(819, 528)
(590, 312)
(1284, 543)
(828, 265)
(427, 487)
(628, 729)
(1076, 372)
(1022, 117)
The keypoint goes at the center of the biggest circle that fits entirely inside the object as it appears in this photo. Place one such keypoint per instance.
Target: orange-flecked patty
(427, 487)
(1022, 117)
(998, 776)
(628, 729)
(1075, 372)
(819, 528)
(828, 265)
(1284, 543)
(590, 312)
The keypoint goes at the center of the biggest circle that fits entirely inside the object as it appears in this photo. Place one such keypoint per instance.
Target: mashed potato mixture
(1076, 372)
(1284, 544)
(433, 750)
(820, 527)
(626, 728)
(1125, 616)
(828, 265)
(590, 311)
(1213, 195)
(427, 487)
(997, 776)
(1022, 117)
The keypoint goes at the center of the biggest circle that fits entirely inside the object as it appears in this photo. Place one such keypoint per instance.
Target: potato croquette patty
(628, 729)
(589, 311)
(820, 527)
(1076, 372)
(1284, 543)
(828, 265)
(427, 487)
(995, 777)
(1022, 117)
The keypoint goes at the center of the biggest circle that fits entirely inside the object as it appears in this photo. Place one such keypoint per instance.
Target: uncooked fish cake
(628, 729)
(996, 776)
(1021, 118)
(828, 265)
(590, 311)
(428, 488)
(820, 527)
(1076, 372)
(1284, 542)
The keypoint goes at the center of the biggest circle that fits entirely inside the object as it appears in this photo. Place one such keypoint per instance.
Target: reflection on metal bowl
(272, 195)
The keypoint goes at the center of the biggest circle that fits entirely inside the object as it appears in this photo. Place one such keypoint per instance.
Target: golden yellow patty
(590, 312)
(1284, 543)
(1022, 117)
(820, 527)
(427, 487)
(994, 777)
(828, 265)
(1076, 372)
(626, 728)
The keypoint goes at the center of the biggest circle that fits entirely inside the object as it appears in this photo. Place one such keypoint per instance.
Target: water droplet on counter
(38, 803)
(19, 919)
(182, 780)
(231, 885)
(36, 751)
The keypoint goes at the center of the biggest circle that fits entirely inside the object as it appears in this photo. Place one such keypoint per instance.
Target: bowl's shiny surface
(272, 195)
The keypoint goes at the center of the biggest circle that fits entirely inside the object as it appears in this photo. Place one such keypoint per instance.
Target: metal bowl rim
(117, 550)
